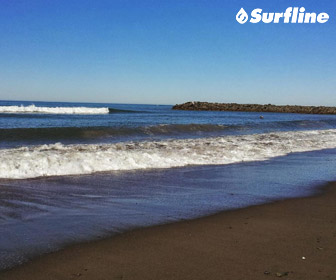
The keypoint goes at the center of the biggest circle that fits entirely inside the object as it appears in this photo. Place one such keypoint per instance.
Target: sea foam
(58, 159)
(53, 110)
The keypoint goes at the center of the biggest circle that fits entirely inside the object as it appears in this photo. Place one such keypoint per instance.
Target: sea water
(76, 171)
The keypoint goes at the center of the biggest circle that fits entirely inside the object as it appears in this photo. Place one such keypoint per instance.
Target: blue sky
(164, 52)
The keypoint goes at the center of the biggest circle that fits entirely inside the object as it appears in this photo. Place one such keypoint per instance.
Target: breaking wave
(53, 110)
(58, 159)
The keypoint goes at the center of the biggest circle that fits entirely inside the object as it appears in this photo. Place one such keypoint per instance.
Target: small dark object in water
(261, 117)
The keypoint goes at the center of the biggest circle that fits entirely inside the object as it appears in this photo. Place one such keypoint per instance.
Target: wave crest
(59, 134)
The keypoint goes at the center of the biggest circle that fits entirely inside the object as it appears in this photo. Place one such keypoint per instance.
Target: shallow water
(45, 214)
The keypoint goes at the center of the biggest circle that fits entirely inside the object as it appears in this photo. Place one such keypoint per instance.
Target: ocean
(72, 172)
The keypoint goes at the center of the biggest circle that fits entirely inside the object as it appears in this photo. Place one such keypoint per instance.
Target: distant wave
(58, 159)
(53, 110)
(113, 111)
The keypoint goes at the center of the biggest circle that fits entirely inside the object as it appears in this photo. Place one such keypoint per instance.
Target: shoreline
(258, 108)
(294, 238)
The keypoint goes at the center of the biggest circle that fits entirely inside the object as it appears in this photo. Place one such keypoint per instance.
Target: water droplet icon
(242, 16)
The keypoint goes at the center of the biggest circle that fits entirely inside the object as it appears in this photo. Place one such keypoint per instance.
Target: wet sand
(291, 239)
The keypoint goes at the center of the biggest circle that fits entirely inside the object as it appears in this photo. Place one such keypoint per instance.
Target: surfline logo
(291, 15)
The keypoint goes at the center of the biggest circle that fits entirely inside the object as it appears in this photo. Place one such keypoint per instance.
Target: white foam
(53, 110)
(58, 159)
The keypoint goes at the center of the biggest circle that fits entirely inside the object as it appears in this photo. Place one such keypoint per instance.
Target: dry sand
(292, 239)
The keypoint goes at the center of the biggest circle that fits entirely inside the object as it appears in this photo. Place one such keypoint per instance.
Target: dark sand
(294, 239)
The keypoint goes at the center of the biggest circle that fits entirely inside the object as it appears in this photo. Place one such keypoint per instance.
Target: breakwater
(206, 106)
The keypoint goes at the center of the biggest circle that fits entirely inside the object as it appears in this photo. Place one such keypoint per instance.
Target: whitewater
(59, 159)
(53, 110)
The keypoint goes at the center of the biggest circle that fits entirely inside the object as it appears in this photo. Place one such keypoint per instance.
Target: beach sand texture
(291, 239)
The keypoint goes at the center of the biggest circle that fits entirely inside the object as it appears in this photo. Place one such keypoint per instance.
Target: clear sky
(164, 52)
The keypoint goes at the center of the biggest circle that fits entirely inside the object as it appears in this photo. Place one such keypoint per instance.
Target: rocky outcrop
(206, 106)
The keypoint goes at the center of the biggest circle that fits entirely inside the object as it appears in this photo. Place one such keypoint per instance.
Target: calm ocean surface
(71, 172)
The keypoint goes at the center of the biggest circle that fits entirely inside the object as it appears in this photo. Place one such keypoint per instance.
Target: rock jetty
(234, 107)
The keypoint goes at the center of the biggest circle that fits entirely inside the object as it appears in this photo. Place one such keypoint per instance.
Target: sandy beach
(293, 239)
